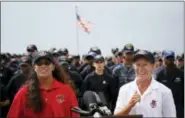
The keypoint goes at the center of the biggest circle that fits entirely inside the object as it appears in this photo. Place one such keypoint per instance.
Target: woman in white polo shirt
(145, 96)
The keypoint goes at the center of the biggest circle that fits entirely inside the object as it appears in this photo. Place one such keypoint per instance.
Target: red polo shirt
(58, 101)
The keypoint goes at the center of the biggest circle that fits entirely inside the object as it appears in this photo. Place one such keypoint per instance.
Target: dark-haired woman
(47, 93)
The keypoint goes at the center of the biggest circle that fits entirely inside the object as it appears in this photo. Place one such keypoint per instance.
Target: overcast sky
(147, 25)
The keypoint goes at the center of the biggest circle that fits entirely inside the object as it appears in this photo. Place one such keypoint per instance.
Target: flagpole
(77, 30)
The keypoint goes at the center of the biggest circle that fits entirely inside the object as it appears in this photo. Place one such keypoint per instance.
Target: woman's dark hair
(34, 98)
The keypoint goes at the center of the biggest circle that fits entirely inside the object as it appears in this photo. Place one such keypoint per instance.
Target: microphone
(103, 109)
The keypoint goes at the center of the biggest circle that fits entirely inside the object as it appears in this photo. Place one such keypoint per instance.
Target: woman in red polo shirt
(46, 94)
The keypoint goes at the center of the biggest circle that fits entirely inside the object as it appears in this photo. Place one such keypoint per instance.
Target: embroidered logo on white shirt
(153, 104)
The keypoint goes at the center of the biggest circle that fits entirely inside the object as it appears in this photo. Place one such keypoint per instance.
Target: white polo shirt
(156, 101)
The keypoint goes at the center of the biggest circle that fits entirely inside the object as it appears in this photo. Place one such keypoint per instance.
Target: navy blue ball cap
(42, 55)
(99, 58)
(144, 54)
(168, 53)
(128, 48)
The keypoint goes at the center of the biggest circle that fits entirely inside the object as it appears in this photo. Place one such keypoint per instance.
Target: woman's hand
(135, 98)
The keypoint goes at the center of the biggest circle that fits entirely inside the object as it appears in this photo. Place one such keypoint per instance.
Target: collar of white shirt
(153, 85)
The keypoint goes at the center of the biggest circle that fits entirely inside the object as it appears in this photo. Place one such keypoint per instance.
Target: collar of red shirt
(55, 84)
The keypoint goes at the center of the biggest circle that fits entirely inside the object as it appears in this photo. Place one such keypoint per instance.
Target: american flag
(86, 25)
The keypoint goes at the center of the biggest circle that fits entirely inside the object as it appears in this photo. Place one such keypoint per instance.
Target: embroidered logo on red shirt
(153, 104)
(60, 98)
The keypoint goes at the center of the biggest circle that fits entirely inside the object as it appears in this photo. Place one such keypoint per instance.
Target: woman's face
(99, 65)
(43, 68)
(143, 69)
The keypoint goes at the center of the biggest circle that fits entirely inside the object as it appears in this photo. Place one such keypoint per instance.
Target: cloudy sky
(147, 25)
